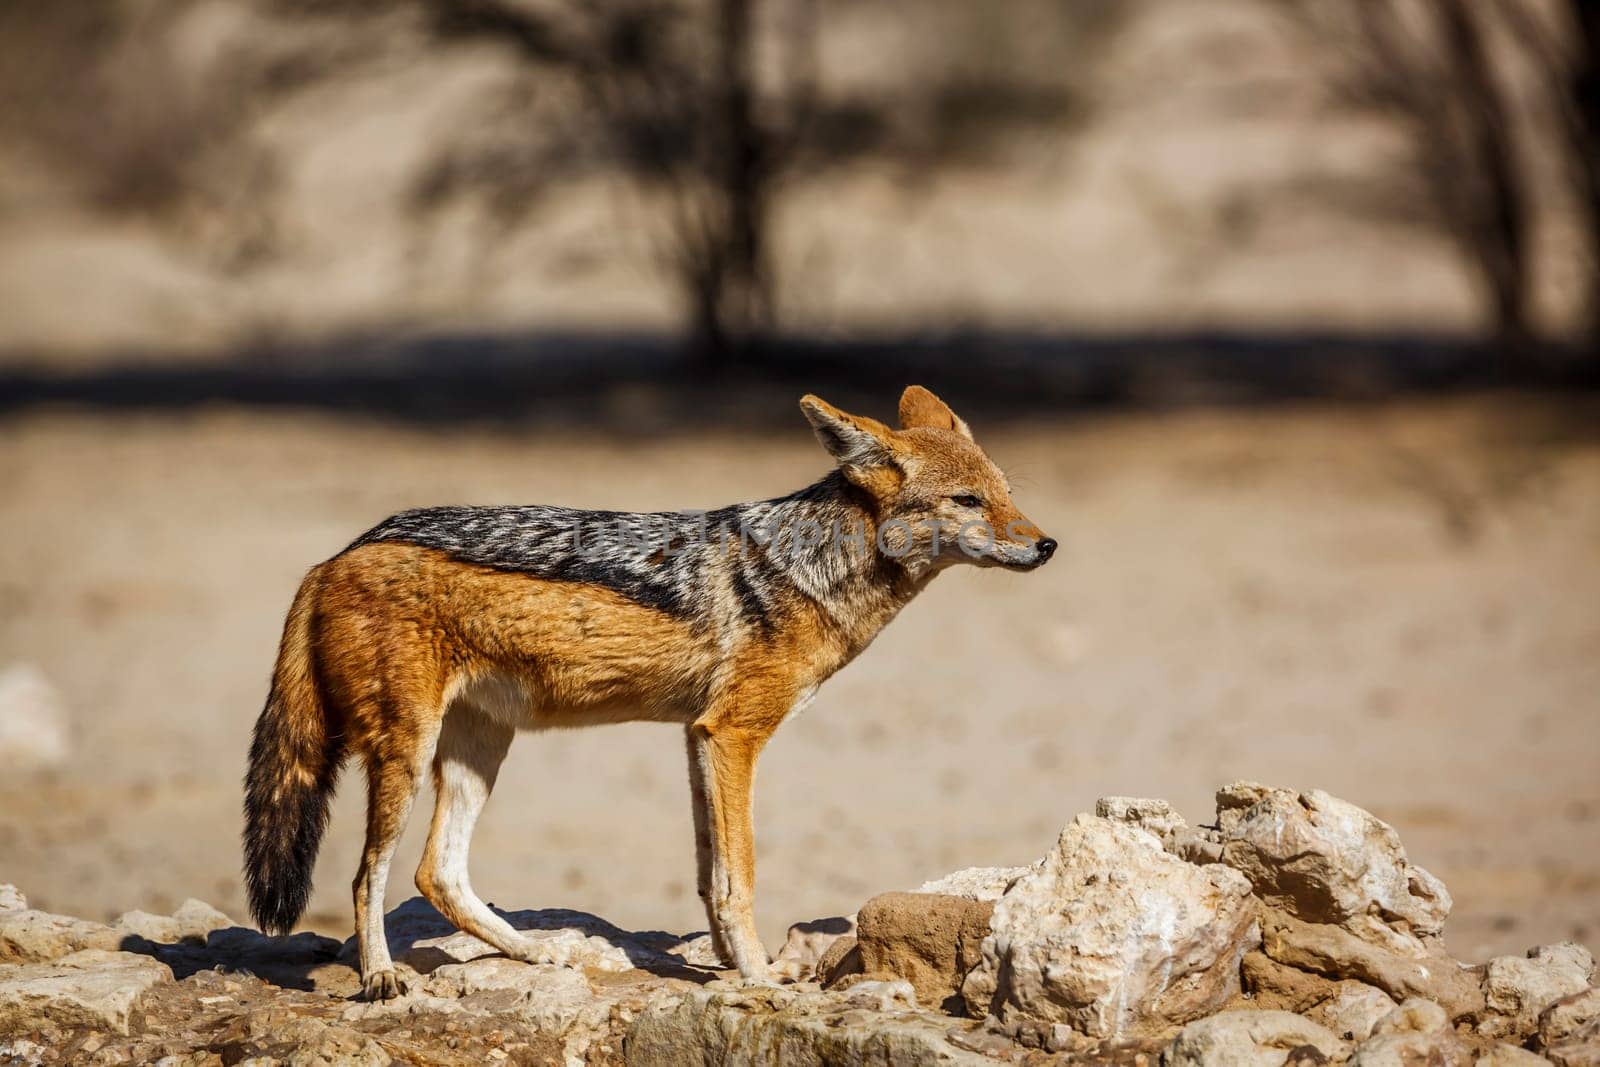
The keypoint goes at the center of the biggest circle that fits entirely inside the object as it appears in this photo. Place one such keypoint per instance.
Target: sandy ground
(1400, 605)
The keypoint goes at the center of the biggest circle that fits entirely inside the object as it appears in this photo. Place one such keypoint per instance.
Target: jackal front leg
(700, 806)
(724, 758)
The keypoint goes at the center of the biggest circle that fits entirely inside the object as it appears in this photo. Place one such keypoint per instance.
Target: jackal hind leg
(392, 782)
(472, 746)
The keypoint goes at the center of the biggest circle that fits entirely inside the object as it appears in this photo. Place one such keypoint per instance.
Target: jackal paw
(540, 952)
(770, 977)
(382, 985)
(787, 971)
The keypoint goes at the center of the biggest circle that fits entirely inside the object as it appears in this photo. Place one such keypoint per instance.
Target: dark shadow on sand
(648, 383)
(288, 962)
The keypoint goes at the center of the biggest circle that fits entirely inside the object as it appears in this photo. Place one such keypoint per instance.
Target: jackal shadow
(422, 939)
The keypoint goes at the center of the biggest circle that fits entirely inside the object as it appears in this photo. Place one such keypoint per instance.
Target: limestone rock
(21, 1050)
(1354, 1011)
(1324, 860)
(92, 988)
(424, 940)
(314, 1043)
(1503, 1055)
(303, 959)
(975, 883)
(494, 973)
(794, 1026)
(1567, 1016)
(1249, 1039)
(1349, 1008)
(883, 994)
(1112, 935)
(1517, 989)
(1156, 816)
(1578, 1048)
(193, 920)
(1280, 987)
(1416, 1016)
(1334, 952)
(698, 950)
(1114, 947)
(842, 959)
(33, 725)
(1417, 1032)
(808, 942)
(31, 936)
(581, 1015)
(929, 939)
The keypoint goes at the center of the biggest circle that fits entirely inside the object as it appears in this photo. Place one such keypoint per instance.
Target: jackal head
(938, 499)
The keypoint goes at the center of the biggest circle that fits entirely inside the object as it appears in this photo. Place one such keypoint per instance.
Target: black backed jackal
(433, 638)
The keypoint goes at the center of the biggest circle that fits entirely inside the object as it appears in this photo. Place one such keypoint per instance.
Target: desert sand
(1399, 604)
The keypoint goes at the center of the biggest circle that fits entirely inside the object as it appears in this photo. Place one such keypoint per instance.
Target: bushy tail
(295, 758)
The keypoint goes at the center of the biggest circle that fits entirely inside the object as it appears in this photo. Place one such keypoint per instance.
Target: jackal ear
(857, 443)
(919, 407)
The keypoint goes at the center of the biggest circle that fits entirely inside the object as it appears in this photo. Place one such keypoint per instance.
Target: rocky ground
(1290, 929)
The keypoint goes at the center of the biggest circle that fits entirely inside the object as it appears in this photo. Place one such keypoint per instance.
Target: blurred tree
(710, 106)
(1564, 46)
(674, 87)
(92, 87)
(1455, 75)
(1583, 119)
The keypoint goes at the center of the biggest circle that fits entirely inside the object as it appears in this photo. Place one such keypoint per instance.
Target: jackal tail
(295, 757)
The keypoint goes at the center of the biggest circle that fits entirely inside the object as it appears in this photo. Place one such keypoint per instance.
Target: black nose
(1047, 548)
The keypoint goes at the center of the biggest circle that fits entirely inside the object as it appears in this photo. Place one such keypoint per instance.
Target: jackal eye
(966, 500)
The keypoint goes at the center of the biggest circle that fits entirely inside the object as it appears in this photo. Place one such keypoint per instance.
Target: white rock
(11, 899)
(791, 1026)
(1567, 1016)
(1354, 1011)
(1404, 966)
(93, 988)
(1503, 1055)
(881, 995)
(1578, 1048)
(1517, 989)
(424, 940)
(1248, 1039)
(413, 1002)
(975, 883)
(1408, 1050)
(1114, 936)
(21, 1050)
(1415, 1016)
(807, 942)
(1146, 813)
(32, 936)
(498, 972)
(1324, 860)
(193, 920)
(559, 1000)
(317, 1044)
(698, 951)
(1417, 1032)
(33, 724)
